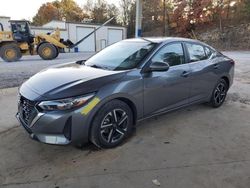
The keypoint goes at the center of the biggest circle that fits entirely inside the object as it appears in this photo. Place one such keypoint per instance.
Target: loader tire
(10, 52)
(47, 51)
(57, 52)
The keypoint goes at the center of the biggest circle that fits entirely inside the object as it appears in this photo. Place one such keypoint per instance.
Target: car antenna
(148, 40)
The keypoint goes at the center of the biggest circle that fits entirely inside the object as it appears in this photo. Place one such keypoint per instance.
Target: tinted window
(196, 52)
(172, 54)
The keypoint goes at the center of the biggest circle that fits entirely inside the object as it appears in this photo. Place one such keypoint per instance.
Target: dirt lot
(190, 148)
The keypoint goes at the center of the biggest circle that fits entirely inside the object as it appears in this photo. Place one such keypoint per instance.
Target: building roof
(5, 17)
(83, 23)
(19, 21)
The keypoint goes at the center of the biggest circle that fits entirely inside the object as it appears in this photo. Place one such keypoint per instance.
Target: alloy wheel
(220, 93)
(114, 126)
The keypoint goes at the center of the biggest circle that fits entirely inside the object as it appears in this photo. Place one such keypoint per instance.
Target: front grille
(27, 110)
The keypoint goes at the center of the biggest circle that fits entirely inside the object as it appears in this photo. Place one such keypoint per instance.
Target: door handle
(216, 66)
(185, 74)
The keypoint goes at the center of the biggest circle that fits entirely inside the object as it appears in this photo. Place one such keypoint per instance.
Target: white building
(5, 22)
(105, 36)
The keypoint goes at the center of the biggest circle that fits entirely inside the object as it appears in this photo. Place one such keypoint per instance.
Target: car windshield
(123, 55)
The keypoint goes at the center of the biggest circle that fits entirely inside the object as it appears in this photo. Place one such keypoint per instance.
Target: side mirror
(158, 66)
(80, 62)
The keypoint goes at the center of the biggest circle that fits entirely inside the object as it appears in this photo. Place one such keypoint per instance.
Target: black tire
(219, 94)
(47, 51)
(10, 52)
(57, 52)
(109, 130)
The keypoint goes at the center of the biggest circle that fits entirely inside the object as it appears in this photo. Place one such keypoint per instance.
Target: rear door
(202, 75)
(170, 89)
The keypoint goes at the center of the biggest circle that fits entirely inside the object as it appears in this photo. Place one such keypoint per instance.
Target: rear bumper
(231, 76)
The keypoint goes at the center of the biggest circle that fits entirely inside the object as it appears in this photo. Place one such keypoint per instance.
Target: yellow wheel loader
(19, 41)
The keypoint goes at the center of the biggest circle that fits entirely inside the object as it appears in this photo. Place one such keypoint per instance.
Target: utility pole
(138, 26)
(165, 19)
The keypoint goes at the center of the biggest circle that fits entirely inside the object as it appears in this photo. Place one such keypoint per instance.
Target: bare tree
(126, 6)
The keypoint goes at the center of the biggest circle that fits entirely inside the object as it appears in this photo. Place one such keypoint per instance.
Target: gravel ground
(13, 74)
(196, 147)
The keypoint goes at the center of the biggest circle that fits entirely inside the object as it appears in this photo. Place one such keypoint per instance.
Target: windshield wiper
(99, 67)
(96, 66)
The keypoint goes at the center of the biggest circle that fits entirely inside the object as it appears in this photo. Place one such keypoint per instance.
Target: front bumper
(58, 139)
(56, 127)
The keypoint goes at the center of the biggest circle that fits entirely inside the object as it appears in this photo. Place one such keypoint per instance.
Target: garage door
(114, 35)
(88, 45)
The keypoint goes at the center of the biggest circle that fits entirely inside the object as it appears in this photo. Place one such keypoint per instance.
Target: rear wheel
(10, 52)
(112, 124)
(47, 51)
(219, 94)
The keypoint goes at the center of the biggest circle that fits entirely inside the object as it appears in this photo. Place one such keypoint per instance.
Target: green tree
(247, 8)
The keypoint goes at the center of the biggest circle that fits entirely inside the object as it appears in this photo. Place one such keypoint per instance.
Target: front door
(169, 89)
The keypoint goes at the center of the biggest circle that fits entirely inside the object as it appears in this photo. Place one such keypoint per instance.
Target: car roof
(162, 39)
(167, 40)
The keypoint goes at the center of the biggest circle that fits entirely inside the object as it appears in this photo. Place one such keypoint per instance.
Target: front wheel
(112, 124)
(219, 94)
(47, 51)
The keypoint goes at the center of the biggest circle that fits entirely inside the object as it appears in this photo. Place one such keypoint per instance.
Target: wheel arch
(226, 79)
(124, 99)
(92, 129)
(131, 105)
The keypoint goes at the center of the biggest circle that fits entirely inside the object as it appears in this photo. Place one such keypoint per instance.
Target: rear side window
(196, 52)
(171, 54)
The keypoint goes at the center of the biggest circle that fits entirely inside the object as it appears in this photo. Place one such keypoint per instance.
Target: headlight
(65, 104)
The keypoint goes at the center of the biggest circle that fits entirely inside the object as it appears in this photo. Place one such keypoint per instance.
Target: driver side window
(172, 54)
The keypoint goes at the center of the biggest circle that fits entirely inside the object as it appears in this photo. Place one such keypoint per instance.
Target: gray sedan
(101, 99)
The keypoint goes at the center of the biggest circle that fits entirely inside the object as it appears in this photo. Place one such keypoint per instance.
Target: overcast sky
(26, 9)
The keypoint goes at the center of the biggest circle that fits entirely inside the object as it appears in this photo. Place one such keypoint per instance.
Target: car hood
(67, 81)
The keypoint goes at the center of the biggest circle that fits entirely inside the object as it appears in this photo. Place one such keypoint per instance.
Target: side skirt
(172, 109)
